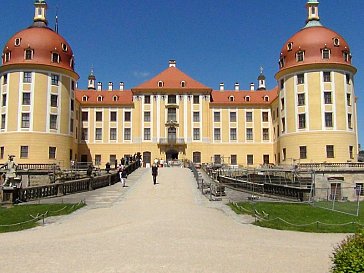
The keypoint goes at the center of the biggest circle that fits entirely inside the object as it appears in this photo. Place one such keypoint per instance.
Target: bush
(349, 255)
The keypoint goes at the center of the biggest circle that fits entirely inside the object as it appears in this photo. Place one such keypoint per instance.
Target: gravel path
(168, 227)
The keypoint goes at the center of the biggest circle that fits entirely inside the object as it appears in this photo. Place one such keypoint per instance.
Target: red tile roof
(171, 78)
(115, 98)
(240, 97)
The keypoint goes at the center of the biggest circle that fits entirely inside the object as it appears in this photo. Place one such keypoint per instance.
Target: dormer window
(160, 84)
(84, 98)
(325, 53)
(7, 56)
(289, 46)
(231, 98)
(100, 98)
(55, 57)
(17, 41)
(300, 56)
(72, 63)
(115, 98)
(346, 56)
(266, 98)
(28, 54)
(281, 62)
(336, 41)
(64, 47)
(247, 98)
(183, 84)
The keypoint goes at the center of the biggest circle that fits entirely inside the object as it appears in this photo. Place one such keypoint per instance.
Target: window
(147, 116)
(172, 99)
(52, 152)
(98, 116)
(301, 121)
(250, 159)
(84, 135)
(54, 79)
(266, 159)
(348, 78)
(71, 125)
(4, 100)
(328, 119)
(265, 116)
(115, 98)
(147, 99)
(27, 77)
(327, 97)
(3, 121)
(327, 76)
(84, 98)
(7, 57)
(249, 133)
(183, 84)
(284, 152)
(233, 160)
(5, 79)
(172, 114)
(301, 99)
(330, 151)
(84, 116)
(113, 116)
(247, 98)
(54, 100)
(232, 133)
(336, 41)
(64, 47)
(346, 56)
(196, 157)
(217, 159)
(217, 134)
(97, 160)
(281, 62)
(348, 99)
(24, 151)
(300, 79)
(289, 46)
(266, 98)
(113, 134)
(196, 133)
(17, 41)
(127, 116)
(28, 54)
(359, 189)
(349, 121)
(265, 133)
(127, 133)
(53, 122)
(283, 124)
(303, 152)
(196, 99)
(160, 84)
(216, 116)
(325, 53)
(26, 98)
(282, 84)
(351, 154)
(249, 116)
(2, 152)
(231, 98)
(146, 133)
(196, 116)
(300, 56)
(25, 120)
(55, 57)
(100, 98)
(232, 116)
(98, 133)
(73, 85)
(282, 105)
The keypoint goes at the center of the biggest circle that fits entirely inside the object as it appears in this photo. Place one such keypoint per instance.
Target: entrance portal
(171, 155)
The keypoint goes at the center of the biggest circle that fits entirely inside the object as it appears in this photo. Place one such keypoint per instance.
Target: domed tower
(38, 109)
(317, 102)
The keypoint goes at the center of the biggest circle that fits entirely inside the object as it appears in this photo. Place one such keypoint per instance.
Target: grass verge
(22, 217)
(301, 217)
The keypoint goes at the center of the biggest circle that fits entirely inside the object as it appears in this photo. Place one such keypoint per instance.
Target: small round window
(17, 41)
(289, 46)
(336, 41)
(64, 47)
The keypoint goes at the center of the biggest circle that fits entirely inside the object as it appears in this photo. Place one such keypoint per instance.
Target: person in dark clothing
(155, 173)
(107, 167)
(89, 170)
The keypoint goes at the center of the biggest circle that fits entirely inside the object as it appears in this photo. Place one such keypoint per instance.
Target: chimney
(252, 87)
(110, 86)
(237, 87)
(172, 63)
(221, 86)
(99, 86)
(121, 86)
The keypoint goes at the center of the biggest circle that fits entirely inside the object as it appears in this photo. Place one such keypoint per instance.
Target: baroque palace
(309, 117)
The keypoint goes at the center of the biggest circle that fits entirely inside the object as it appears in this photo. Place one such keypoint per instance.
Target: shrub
(348, 256)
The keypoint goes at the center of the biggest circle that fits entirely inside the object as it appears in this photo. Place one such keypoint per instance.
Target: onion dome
(38, 44)
(314, 44)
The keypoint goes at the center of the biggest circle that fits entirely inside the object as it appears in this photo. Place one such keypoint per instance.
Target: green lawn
(11, 217)
(301, 217)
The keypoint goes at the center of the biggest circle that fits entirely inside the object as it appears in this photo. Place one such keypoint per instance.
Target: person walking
(124, 176)
(155, 173)
(120, 171)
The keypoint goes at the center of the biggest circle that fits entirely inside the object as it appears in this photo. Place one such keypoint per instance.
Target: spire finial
(56, 26)
(261, 70)
(40, 12)
(313, 18)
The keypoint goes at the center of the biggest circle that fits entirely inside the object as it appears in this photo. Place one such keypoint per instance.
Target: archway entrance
(171, 155)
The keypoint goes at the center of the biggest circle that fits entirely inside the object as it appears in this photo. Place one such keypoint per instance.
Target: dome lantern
(40, 12)
(313, 18)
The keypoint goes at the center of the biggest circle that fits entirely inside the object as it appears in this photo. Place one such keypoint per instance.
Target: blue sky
(212, 41)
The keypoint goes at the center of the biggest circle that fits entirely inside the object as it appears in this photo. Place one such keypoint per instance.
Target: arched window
(160, 84)
(115, 98)
(247, 98)
(266, 98)
(84, 98)
(325, 53)
(183, 84)
(231, 98)
(336, 41)
(17, 41)
(28, 54)
(64, 47)
(100, 98)
(289, 46)
(55, 57)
